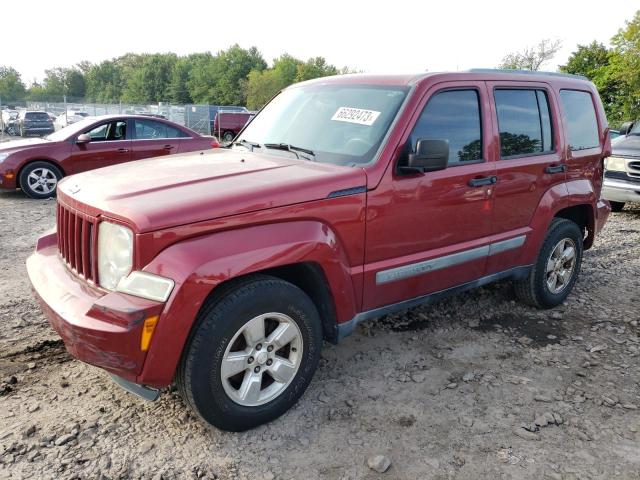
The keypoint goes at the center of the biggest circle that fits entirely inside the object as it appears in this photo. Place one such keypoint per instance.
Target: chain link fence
(196, 117)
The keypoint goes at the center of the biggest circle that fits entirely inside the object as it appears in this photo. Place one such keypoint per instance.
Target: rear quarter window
(580, 115)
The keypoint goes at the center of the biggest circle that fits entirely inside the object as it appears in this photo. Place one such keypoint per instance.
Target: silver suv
(622, 175)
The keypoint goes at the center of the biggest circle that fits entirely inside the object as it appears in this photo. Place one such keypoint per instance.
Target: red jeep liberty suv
(346, 198)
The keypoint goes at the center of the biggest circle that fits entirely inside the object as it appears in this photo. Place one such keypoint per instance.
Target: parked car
(9, 122)
(224, 271)
(622, 174)
(33, 122)
(227, 125)
(614, 134)
(70, 117)
(214, 109)
(36, 166)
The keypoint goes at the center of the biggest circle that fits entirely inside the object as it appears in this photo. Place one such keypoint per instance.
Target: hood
(176, 190)
(628, 146)
(14, 145)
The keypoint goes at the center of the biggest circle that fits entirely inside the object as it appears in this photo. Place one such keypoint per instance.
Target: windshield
(73, 129)
(340, 124)
(636, 129)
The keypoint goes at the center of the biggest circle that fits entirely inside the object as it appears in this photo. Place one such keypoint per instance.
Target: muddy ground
(474, 387)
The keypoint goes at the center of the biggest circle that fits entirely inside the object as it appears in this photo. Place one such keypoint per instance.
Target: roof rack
(526, 72)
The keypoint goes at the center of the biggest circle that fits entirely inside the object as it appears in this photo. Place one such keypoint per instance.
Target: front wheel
(252, 354)
(617, 206)
(228, 136)
(556, 270)
(40, 179)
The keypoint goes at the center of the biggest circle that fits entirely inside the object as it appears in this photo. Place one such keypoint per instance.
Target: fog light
(147, 332)
(146, 285)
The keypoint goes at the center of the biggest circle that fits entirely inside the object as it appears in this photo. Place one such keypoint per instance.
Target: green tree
(220, 79)
(147, 77)
(11, 86)
(104, 82)
(624, 66)
(315, 68)
(532, 58)
(177, 90)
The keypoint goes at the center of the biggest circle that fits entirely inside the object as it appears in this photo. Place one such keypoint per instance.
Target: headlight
(115, 254)
(616, 164)
(3, 156)
(146, 285)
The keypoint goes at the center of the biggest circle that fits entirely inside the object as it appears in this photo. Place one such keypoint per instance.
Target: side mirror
(82, 139)
(626, 128)
(430, 156)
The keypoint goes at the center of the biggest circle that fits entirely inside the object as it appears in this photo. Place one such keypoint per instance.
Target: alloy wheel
(262, 359)
(561, 265)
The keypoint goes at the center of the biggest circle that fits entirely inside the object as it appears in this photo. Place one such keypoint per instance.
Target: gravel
(476, 386)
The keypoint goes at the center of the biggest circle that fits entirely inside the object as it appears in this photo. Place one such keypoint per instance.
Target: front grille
(77, 237)
(622, 176)
(634, 169)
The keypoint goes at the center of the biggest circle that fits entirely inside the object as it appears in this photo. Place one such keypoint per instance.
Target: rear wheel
(252, 354)
(40, 179)
(228, 136)
(556, 270)
(617, 206)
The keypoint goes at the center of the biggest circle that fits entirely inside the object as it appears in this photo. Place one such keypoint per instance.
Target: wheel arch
(582, 215)
(306, 254)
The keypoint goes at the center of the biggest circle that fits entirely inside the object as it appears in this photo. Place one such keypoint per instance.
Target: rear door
(110, 144)
(428, 232)
(529, 160)
(153, 138)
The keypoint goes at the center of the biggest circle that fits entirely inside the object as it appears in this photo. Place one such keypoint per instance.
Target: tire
(228, 136)
(42, 170)
(224, 329)
(536, 290)
(617, 206)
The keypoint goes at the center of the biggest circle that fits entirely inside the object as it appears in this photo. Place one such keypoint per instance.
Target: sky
(396, 36)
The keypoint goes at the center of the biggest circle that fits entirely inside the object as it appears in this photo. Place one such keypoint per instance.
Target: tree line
(235, 76)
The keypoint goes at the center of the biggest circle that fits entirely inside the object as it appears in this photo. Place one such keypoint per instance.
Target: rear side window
(150, 130)
(581, 119)
(452, 115)
(524, 122)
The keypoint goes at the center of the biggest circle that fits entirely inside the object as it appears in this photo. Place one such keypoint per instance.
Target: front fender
(199, 265)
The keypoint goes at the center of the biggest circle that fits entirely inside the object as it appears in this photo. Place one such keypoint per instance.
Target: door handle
(123, 150)
(555, 169)
(168, 147)
(481, 181)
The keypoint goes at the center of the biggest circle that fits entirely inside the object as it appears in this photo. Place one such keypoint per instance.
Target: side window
(580, 114)
(452, 115)
(524, 122)
(110, 131)
(150, 130)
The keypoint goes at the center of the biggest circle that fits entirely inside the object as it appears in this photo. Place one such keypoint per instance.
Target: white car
(71, 116)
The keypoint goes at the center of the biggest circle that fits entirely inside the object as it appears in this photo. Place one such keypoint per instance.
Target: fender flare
(555, 199)
(201, 264)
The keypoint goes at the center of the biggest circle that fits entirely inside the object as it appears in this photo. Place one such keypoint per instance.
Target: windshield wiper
(291, 148)
(247, 144)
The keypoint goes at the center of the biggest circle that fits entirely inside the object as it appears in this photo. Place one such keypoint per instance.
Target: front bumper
(97, 327)
(620, 191)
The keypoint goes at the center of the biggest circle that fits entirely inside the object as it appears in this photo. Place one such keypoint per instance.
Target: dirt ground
(474, 387)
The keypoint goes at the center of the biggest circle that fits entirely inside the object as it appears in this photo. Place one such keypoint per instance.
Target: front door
(110, 144)
(429, 232)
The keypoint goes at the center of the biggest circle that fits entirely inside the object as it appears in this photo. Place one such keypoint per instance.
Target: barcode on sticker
(355, 115)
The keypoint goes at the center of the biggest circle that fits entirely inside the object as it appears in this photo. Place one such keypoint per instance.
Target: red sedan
(36, 165)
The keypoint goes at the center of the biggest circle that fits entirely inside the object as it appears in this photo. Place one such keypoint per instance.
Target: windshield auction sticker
(355, 115)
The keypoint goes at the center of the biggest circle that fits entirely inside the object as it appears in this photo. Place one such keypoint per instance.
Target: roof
(413, 79)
